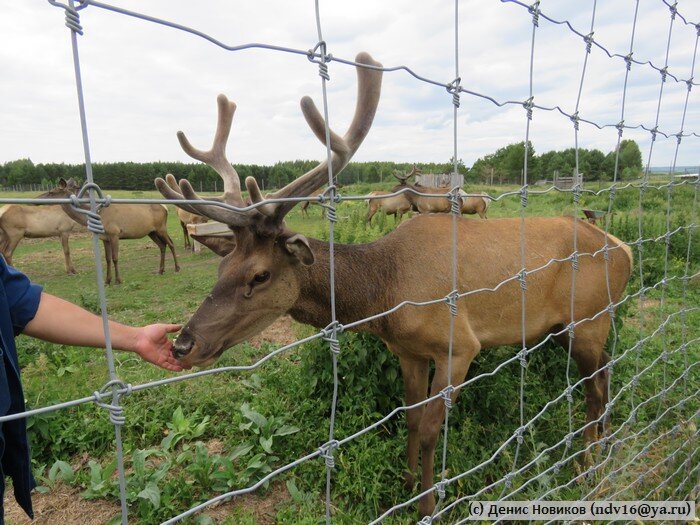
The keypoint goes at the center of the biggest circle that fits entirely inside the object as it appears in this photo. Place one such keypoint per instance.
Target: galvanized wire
(117, 389)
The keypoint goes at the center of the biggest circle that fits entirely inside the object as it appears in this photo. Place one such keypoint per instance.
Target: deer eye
(261, 277)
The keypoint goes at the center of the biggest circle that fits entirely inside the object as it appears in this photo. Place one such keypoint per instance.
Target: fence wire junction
(683, 460)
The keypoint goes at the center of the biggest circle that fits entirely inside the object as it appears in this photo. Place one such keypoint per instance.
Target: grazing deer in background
(395, 205)
(305, 205)
(18, 221)
(187, 217)
(471, 204)
(121, 221)
(268, 270)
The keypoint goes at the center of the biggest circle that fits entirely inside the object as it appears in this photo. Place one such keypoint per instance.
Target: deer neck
(363, 276)
(77, 217)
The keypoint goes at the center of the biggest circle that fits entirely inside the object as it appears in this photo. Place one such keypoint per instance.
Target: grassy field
(192, 440)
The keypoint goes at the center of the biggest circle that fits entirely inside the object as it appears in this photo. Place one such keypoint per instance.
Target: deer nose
(183, 344)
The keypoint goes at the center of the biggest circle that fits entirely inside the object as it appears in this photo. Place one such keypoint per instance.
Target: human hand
(153, 345)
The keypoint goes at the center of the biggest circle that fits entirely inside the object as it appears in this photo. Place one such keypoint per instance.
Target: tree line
(503, 166)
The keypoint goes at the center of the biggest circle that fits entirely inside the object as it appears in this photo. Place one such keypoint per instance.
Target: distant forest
(501, 167)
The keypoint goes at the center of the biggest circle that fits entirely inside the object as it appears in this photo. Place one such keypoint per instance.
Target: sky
(142, 81)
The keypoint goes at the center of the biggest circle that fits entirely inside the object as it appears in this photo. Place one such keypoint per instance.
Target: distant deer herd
(268, 270)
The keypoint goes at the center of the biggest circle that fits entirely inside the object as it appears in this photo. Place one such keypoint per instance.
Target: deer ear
(62, 183)
(298, 246)
(220, 245)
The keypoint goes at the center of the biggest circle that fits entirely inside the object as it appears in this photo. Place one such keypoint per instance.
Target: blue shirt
(19, 302)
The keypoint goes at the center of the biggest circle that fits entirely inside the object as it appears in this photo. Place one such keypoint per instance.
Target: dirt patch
(62, 505)
(65, 506)
(264, 506)
(281, 332)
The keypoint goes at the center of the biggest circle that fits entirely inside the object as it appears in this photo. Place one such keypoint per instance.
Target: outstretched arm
(60, 321)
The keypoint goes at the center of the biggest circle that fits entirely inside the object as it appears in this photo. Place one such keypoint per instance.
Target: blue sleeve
(22, 296)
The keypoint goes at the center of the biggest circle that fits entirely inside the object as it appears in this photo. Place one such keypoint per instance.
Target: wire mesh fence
(652, 392)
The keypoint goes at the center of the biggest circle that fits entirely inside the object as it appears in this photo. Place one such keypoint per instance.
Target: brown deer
(472, 204)
(18, 221)
(421, 203)
(268, 270)
(121, 221)
(395, 205)
(187, 217)
(305, 205)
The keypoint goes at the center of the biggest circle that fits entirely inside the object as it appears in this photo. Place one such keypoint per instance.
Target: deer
(268, 270)
(186, 218)
(18, 221)
(121, 221)
(395, 205)
(473, 204)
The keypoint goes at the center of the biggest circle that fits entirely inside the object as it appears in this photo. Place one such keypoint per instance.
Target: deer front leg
(433, 417)
(415, 378)
(108, 260)
(66, 254)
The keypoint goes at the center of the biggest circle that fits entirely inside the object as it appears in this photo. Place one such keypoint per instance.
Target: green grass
(294, 389)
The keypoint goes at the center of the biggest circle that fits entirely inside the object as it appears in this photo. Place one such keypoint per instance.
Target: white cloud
(143, 82)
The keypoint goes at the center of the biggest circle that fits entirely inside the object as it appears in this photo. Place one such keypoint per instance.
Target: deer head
(64, 188)
(259, 275)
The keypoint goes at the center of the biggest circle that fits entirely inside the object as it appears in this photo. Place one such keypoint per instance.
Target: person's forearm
(59, 321)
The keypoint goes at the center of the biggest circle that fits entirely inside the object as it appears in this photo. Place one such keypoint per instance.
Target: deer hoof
(409, 480)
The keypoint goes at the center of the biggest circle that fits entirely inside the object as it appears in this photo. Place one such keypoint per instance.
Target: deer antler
(369, 82)
(216, 158)
(369, 87)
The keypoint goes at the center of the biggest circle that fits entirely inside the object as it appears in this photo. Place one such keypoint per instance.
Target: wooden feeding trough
(593, 216)
(207, 228)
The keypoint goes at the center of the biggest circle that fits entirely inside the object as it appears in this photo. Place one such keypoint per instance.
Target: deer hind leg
(155, 237)
(171, 245)
(114, 244)
(434, 414)
(587, 351)
(66, 254)
(415, 377)
(186, 236)
(9, 247)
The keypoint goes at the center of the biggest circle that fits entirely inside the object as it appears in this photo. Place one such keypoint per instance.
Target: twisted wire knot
(613, 192)
(606, 253)
(522, 279)
(440, 488)
(557, 467)
(523, 196)
(628, 61)
(330, 335)
(528, 105)
(697, 29)
(654, 132)
(569, 396)
(522, 357)
(508, 479)
(575, 119)
(689, 84)
(323, 59)
(326, 451)
(451, 300)
(571, 327)
(94, 221)
(455, 201)
(576, 191)
(454, 88)
(674, 9)
(520, 438)
(534, 10)
(588, 39)
(426, 520)
(72, 16)
(620, 126)
(446, 395)
(569, 440)
(574, 261)
(116, 411)
(633, 416)
(679, 137)
(611, 311)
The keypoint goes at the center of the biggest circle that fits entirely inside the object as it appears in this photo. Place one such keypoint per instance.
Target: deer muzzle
(183, 344)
